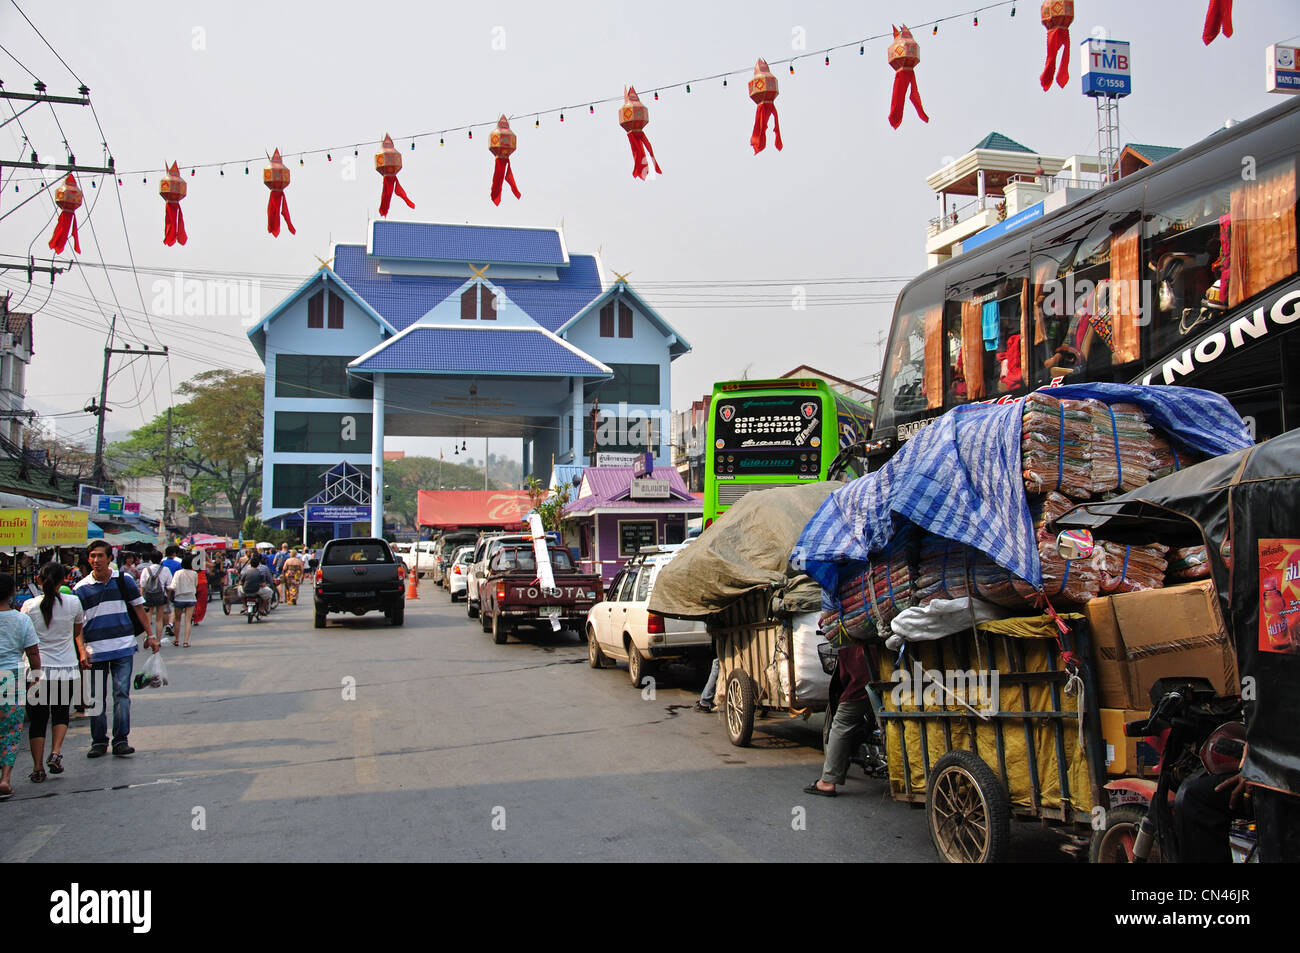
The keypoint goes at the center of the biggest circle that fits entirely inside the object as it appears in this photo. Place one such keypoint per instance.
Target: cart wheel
(225, 606)
(968, 810)
(1113, 844)
(740, 708)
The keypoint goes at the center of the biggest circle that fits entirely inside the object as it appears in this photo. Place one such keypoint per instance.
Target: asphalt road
(277, 741)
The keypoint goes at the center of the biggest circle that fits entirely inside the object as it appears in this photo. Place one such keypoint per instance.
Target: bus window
(1087, 300)
(985, 333)
(907, 362)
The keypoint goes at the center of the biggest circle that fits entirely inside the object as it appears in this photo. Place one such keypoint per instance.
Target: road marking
(37, 838)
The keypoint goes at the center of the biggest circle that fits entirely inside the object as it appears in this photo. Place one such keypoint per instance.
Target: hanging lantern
(1218, 19)
(172, 188)
(763, 90)
(388, 163)
(633, 117)
(67, 197)
(904, 54)
(501, 143)
(1057, 16)
(276, 178)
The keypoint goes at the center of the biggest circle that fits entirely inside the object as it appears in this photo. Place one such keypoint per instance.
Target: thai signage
(16, 528)
(647, 489)
(62, 527)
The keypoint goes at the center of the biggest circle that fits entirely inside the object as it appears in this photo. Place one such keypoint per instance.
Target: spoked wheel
(968, 811)
(225, 606)
(740, 708)
(1113, 844)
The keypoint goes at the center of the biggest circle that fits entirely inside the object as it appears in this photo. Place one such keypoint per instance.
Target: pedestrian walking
(17, 637)
(184, 589)
(110, 600)
(57, 619)
(201, 594)
(154, 581)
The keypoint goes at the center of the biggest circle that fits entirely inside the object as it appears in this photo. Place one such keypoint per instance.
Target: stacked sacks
(870, 595)
(854, 612)
(1074, 581)
(1188, 564)
(1121, 448)
(1048, 508)
(1130, 568)
(1166, 459)
(1056, 446)
(943, 571)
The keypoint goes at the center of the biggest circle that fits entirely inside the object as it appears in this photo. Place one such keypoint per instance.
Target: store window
(632, 535)
(313, 375)
(316, 310)
(631, 384)
(321, 433)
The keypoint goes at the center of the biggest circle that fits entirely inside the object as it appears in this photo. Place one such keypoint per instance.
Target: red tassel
(66, 225)
(1218, 19)
(1058, 41)
(640, 146)
(905, 84)
(502, 171)
(277, 206)
(175, 225)
(391, 185)
(759, 139)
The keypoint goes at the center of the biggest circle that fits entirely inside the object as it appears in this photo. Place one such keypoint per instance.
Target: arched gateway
(457, 331)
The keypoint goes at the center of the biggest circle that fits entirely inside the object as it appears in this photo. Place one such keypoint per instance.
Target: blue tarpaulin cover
(960, 478)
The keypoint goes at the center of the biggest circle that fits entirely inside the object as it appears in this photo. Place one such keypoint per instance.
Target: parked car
(444, 551)
(458, 576)
(512, 595)
(360, 575)
(621, 628)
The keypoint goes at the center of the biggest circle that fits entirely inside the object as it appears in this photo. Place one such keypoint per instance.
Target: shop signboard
(338, 514)
(644, 464)
(62, 527)
(647, 489)
(108, 505)
(1105, 68)
(132, 507)
(1282, 66)
(16, 528)
(616, 459)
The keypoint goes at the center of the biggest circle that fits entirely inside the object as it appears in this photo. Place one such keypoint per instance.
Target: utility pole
(101, 476)
(487, 443)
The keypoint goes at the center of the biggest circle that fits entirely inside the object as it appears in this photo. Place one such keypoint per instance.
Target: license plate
(547, 613)
(361, 595)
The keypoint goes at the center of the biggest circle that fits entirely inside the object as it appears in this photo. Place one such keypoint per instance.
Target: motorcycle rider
(255, 578)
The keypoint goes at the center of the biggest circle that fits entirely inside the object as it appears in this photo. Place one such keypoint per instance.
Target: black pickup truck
(358, 576)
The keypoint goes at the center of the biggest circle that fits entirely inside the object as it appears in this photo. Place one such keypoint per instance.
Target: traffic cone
(413, 585)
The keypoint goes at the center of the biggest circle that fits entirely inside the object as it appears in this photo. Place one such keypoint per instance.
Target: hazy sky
(843, 204)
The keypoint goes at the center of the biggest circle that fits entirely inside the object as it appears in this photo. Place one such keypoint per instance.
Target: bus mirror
(1074, 544)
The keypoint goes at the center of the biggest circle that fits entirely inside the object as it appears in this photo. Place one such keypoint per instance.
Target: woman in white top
(57, 619)
(184, 587)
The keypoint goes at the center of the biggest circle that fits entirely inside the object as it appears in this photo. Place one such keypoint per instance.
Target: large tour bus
(782, 432)
(1183, 273)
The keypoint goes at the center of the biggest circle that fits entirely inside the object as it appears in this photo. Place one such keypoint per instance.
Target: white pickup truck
(418, 556)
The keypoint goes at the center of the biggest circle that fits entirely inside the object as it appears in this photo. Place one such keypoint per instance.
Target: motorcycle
(252, 606)
(1196, 732)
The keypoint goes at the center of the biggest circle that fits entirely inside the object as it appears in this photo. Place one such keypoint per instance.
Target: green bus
(782, 432)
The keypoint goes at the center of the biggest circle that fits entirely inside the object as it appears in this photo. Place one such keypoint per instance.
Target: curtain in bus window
(1263, 238)
(1125, 296)
(1044, 272)
(972, 348)
(1024, 330)
(934, 357)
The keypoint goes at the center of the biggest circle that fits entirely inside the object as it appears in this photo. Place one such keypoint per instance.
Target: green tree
(549, 505)
(215, 441)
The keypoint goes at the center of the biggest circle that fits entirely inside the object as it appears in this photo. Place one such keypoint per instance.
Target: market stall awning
(449, 509)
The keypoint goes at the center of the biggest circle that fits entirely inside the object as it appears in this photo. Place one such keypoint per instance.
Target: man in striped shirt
(107, 599)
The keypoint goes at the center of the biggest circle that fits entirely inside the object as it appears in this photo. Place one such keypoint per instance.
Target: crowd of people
(78, 629)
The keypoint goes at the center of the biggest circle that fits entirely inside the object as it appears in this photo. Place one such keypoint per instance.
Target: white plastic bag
(155, 671)
(811, 683)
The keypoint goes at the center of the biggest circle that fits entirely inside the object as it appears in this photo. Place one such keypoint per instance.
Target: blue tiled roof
(403, 299)
(483, 350)
(469, 243)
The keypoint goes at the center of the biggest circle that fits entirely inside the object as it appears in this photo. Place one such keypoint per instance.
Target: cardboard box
(1139, 637)
(1132, 757)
